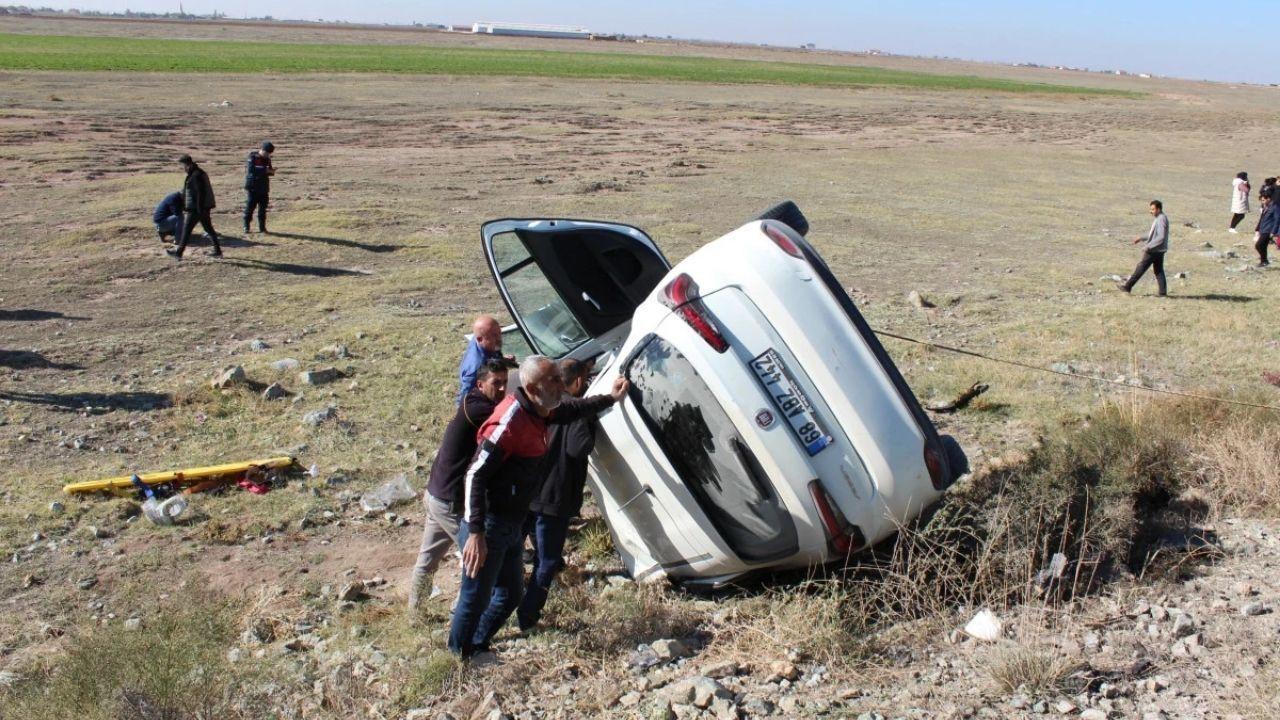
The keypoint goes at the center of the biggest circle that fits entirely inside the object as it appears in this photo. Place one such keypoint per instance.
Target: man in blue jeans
(168, 216)
(560, 499)
(502, 480)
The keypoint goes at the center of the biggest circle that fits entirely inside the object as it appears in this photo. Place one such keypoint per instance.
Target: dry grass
(1017, 668)
(1237, 457)
(603, 624)
(811, 619)
(1261, 697)
(174, 669)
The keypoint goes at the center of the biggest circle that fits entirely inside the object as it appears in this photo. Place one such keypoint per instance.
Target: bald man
(485, 345)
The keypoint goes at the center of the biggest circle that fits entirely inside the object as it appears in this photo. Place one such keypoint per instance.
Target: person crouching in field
(1239, 199)
(168, 216)
(1155, 244)
(1268, 228)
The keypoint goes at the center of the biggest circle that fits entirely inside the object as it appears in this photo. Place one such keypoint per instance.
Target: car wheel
(789, 213)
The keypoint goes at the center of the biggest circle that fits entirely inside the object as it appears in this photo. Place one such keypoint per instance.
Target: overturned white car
(766, 427)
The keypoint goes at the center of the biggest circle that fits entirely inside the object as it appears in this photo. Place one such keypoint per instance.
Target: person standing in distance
(1268, 228)
(257, 185)
(1155, 244)
(1239, 199)
(197, 196)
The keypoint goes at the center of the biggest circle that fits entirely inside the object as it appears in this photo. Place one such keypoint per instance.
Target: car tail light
(844, 537)
(937, 466)
(681, 295)
(780, 239)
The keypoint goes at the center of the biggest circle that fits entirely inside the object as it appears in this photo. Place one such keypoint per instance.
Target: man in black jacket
(560, 499)
(197, 196)
(443, 498)
(257, 185)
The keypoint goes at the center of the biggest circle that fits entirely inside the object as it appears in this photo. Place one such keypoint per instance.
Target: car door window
(708, 454)
(552, 328)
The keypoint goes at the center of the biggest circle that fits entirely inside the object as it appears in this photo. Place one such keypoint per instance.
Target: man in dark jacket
(560, 499)
(443, 498)
(257, 185)
(168, 216)
(197, 196)
(1268, 228)
(500, 484)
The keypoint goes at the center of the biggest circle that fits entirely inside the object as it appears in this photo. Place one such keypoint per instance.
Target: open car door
(572, 285)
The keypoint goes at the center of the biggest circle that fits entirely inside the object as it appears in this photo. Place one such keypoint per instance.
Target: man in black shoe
(168, 216)
(1268, 228)
(197, 196)
(257, 185)
(443, 498)
(1155, 244)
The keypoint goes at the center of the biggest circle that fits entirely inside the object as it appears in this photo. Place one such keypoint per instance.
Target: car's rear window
(708, 454)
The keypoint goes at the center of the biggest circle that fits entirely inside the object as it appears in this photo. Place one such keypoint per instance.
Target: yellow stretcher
(181, 477)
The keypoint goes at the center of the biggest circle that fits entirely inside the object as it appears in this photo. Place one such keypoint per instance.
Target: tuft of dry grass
(1020, 668)
(601, 624)
(811, 619)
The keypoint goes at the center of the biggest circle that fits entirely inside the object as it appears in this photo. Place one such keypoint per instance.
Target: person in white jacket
(1239, 199)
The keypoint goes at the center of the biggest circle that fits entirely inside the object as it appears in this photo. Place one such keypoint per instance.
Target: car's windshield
(708, 454)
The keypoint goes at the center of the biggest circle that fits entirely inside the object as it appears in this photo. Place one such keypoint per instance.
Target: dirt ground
(1007, 211)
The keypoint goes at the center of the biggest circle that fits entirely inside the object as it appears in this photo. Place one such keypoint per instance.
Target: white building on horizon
(531, 30)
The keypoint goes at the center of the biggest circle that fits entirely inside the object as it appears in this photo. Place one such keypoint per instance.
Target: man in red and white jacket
(505, 475)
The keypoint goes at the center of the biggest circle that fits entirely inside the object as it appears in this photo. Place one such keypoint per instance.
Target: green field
(54, 52)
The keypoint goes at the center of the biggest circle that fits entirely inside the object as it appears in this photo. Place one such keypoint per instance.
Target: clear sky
(1198, 39)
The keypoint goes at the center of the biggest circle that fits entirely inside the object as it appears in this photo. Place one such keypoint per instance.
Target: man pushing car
(505, 475)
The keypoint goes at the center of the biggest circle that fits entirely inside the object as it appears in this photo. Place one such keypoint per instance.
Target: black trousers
(1149, 260)
(1235, 219)
(255, 200)
(201, 217)
(1261, 246)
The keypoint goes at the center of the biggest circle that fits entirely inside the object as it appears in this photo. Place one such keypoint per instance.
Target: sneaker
(1233, 231)
(215, 253)
(173, 253)
(1122, 287)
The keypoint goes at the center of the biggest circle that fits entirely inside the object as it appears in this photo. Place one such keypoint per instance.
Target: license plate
(790, 401)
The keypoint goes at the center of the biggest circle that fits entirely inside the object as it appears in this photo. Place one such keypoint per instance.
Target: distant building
(526, 30)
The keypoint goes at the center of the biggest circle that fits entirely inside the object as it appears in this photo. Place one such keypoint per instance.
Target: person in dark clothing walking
(501, 482)
(168, 216)
(443, 498)
(197, 196)
(257, 185)
(1268, 228)
(560, 499)
(1155, 244)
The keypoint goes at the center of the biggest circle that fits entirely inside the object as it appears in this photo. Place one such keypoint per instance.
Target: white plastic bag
(388, 494)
